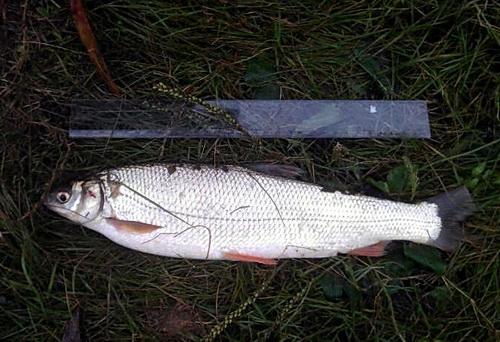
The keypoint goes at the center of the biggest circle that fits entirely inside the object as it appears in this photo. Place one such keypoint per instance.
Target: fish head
(80, 201)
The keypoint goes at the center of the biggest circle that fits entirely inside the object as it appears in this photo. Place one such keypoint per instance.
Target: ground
(443, 52)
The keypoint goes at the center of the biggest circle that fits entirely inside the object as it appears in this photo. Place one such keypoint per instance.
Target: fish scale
(238, 210)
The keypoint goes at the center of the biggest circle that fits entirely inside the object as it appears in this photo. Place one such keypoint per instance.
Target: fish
(259, 213)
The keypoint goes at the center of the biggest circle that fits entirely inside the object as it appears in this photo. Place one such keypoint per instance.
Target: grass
(444, 52)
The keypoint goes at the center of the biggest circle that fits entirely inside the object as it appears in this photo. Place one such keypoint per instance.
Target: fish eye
(63, 196)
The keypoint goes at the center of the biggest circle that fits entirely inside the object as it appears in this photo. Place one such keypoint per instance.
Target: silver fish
(236, 213)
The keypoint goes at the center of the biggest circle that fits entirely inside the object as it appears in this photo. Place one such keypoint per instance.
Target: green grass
(444, 52)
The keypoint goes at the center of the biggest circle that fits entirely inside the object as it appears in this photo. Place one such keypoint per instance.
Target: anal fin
(234, 256)
(375, 250)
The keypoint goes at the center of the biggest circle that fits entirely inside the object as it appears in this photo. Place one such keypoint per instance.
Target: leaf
(478, 169)
(382, 186)
(472, 183)
(397, 264)
(267, 92)
(487, 174)
(332, 286)
(259, 70)
(357, 88)
(497, 178)
(426, 256)
(412, 182)
(397, 179)
(440, 296)
(260, 74)
(353, 293)
(89, 41)
(376, 69)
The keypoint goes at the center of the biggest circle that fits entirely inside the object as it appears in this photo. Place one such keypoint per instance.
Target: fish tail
(453, 208)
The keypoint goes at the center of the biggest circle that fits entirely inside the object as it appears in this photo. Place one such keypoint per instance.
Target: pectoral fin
(132, 226)
(234, 256)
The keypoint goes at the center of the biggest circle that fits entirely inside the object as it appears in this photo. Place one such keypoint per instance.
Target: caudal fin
(453, 208)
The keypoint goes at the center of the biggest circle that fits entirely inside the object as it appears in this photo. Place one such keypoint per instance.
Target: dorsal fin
(278, 170)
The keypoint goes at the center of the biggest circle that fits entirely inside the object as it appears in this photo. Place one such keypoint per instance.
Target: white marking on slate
(373, 109)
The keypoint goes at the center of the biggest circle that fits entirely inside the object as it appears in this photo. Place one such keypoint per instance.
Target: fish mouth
(55, 206)
(50, 205)
(48, 202)
(63, 212)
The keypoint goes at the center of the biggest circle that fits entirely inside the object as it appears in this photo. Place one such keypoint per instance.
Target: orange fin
(132, 226)
(249, 258)
(375, 250)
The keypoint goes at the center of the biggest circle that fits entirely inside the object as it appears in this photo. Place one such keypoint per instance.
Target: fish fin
(234, 256)
(375, 250)
(279, 170)
(453, 208)
(132, 226)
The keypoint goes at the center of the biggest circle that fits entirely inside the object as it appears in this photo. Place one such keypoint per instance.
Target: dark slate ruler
(117, 118)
